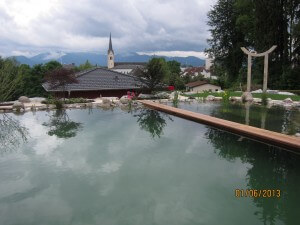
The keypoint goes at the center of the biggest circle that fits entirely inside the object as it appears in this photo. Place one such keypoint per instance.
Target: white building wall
(110, 60)
(124, 71)
(206, 87)
(208, 63)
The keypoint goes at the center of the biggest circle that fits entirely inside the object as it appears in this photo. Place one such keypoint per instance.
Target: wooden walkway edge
(266, 136)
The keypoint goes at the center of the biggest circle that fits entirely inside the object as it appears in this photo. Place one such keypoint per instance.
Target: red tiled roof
(192, 70)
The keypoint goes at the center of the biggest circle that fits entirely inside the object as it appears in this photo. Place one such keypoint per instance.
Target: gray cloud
(84, 25)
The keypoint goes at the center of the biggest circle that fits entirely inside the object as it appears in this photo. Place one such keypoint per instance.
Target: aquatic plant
(175, 100)
(225, 96)
(264, 99)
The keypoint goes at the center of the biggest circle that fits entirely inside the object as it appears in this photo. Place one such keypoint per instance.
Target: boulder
(297, 134)
(285, 93)
(163, 95)
(257, 91)
(218, 98)
(37, 99)
(124, 99)
(18, 105)
(247, 97)
(288, 100)
(210, 98)
(106, 101)
(24, 99)
(272, 91)
(182, 98)
(257, 100)
(146, 96)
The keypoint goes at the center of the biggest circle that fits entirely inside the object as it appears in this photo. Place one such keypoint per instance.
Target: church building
(122, 67)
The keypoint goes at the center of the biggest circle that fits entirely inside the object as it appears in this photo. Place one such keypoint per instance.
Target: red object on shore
(130, 95)
(171, 88)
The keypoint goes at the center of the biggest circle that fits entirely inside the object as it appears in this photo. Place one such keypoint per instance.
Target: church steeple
(110, 55)
(110, 48)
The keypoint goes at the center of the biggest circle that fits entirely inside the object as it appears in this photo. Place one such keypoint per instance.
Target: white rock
(247, 96)
(218, 98)
(257, 91)
(288, 100)
(146, 96)
(164, 95)
(182, 98)
(297, 134)
(124, 99)
(272, 91)
(106, 101)
(285, 93)
(24, 99)
(18, 105)
(257, 100)
(210, 98)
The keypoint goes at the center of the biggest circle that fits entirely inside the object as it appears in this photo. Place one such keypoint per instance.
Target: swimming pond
(138, 167)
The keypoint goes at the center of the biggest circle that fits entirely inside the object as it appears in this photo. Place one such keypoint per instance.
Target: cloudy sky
(169, 27)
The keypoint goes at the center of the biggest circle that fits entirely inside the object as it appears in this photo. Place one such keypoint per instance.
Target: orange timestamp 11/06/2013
(258, 193)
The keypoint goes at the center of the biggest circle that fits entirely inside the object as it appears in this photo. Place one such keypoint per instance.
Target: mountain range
(100, 59)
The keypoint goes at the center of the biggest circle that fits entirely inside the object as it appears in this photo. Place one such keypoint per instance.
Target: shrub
(175, 100)
(58, 104)
(225, 96)
(264, 98)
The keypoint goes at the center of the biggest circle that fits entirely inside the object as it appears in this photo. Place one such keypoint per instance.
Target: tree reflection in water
(276, 119)
(152, 121)
(62, 126)
(12, 133)
(272, 168)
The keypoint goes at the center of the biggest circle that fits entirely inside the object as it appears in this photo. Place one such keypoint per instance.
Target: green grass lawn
(255, 95)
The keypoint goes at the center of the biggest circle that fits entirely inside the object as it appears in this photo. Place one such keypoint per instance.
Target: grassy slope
(255, 95)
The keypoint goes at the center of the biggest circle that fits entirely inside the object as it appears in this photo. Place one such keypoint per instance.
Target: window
(217, 89)
(110, 57)
(209, 90)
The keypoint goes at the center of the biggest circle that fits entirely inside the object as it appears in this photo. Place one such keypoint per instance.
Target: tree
(12, 133)
(85, 66)
(10, 79)
(173, 76)
(256, 24)
(59, 78)
(156, 71)
(226, 38)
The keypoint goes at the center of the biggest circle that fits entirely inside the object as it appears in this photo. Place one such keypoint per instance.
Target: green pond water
(116, 167)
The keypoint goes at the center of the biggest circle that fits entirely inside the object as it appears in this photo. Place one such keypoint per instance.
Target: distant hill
(100, 59)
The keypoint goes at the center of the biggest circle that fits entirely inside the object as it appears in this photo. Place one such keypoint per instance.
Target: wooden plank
(270, 137)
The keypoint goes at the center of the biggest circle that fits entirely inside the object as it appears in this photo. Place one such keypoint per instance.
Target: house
(196, 71)
(128, 68)
(97, 82)
(201, 86)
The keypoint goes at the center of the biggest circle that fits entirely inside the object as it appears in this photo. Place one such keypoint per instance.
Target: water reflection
(270, 168)
(276, 118)
(61, 125)
(12, 133)
(152, 121)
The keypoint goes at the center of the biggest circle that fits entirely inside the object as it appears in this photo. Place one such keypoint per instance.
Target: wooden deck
(270, 137)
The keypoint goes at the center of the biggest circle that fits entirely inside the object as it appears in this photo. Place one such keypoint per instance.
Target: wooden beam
(266, 136)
